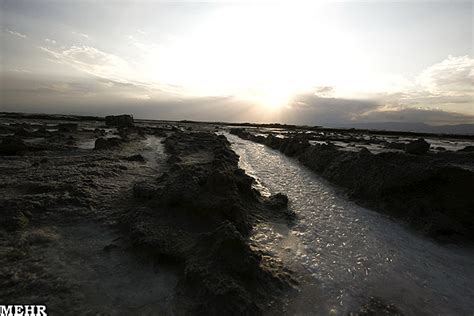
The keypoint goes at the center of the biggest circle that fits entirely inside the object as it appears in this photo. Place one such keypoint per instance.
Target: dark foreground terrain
(120, 217)
(187, 210)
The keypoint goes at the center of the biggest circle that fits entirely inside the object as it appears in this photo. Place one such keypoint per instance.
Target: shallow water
(36, 140)
(347, 253)
(154, 152)
(86, 144)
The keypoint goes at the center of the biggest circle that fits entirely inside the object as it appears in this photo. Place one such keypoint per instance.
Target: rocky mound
(107, 143)
(16, 146)
(417, 147)
(428, 191)
(199, 215)
(11, 146)
(123, 120)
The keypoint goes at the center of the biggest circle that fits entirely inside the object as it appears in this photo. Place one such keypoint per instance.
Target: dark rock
(467, 149)
(376, 307)
(107, 143)
(221, 275)
(124, 120)
(173, 159)
(13, 220)
(417, 147)
(12, 145)
(67, 127)
(395, 145)
(294, 146)
(110, 247)
(277, 201)
(99, 132)
(144, 190)
(6, 128)
(23, 132)
(137, 157)
(42, 132)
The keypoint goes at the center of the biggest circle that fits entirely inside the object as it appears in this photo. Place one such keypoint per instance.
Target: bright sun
(263, 53)
(271, 98)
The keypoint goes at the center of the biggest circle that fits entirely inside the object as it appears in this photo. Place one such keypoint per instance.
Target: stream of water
(348, 253)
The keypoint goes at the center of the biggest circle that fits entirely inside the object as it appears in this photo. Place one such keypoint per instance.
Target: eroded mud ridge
(120, 217)
(430, 191)
(60, 200)
(199, 214)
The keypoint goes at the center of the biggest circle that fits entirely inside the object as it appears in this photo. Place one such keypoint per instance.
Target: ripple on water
(349, 253)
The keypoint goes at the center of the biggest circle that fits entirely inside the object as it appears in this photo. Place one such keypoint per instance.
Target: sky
(318, 63)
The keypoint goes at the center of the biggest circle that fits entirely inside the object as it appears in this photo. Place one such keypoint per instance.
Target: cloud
(325, 91)
(412, 115)
(437, 93)
(18, 70)
(85, 36)
(17, 33)
(32, 93)
(29, 88)
(313, 109)
(316, 110)
(49, 41)
(441, 94)
(92, 61)
(453, 76)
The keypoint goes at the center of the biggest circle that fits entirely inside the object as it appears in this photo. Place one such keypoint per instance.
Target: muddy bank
(198, 215)
(60, 203)
(431, 191)
(80, 198)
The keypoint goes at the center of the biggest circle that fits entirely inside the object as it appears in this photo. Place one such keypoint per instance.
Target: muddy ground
(144, 219)
(61, 202)
(151, 218)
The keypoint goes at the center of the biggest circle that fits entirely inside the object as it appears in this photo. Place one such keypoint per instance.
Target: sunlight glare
(264, 53)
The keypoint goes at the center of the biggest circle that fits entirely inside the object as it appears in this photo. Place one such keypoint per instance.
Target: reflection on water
(348, 253)
(154, 151)
(86, 144)
(36, 140)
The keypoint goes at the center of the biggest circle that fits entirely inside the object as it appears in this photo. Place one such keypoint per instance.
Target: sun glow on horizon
(242, 60)
(266, 54)
(262, 53)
